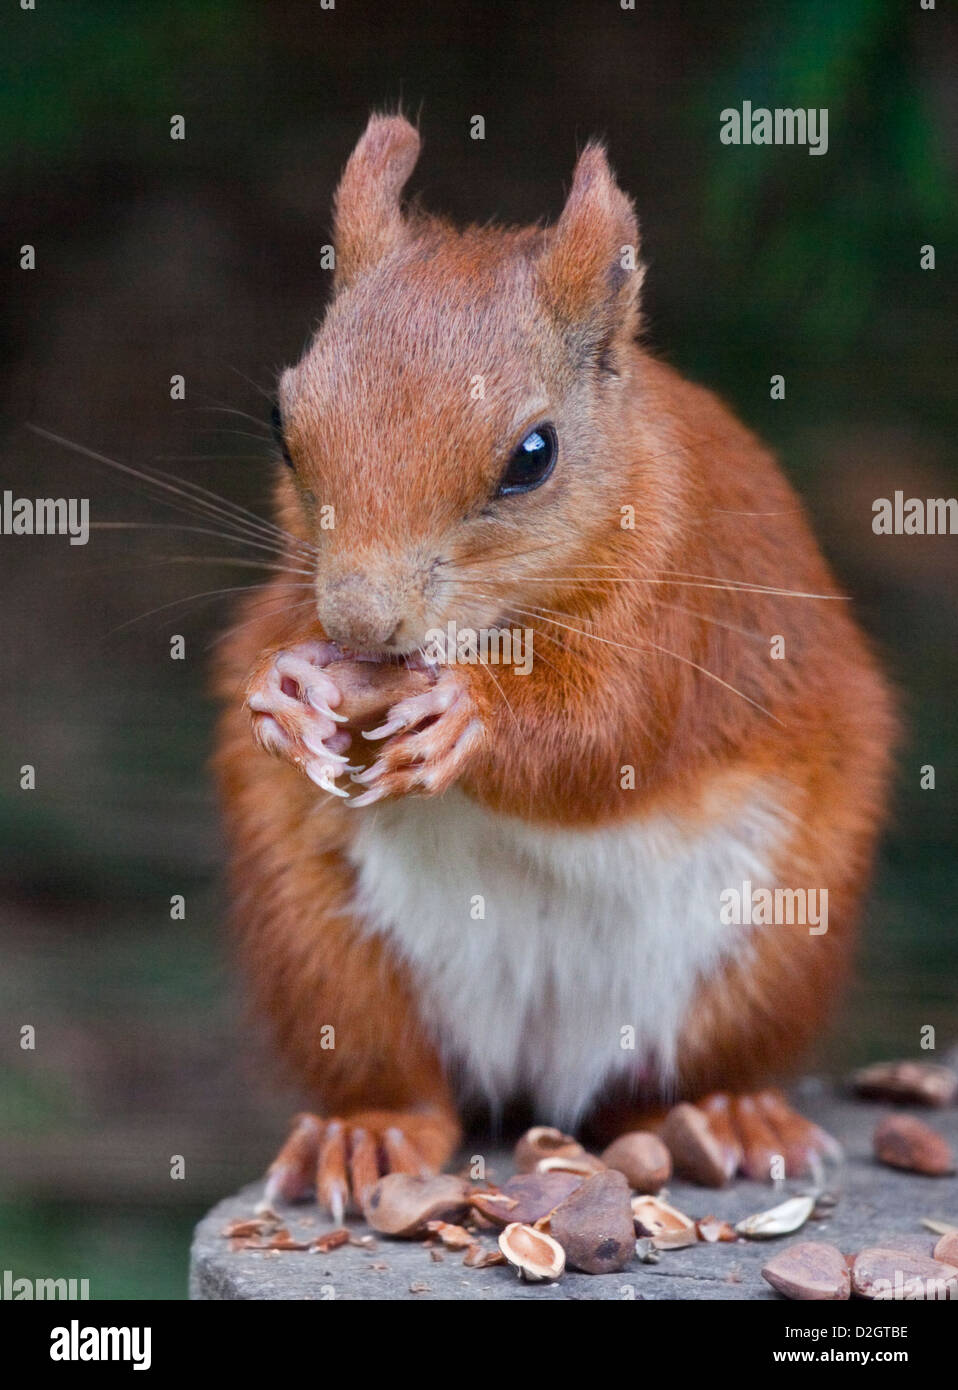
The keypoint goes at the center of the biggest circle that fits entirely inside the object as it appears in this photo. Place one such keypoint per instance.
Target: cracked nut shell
(403, 1204)
(542, 1141)
(534, 1256)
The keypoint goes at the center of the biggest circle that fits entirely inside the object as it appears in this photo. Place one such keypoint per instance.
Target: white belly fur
(586, 932)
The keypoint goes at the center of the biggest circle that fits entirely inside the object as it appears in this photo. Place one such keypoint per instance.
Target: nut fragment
(894, 1274)
(284, 1240)
(643, 1158)
(534, 1256)
(403, 1204)
(477, 1257)
(255, 1226)
(711, 1229)
(811, 1271)
(647, 1251)
(921, 1083)
(696, 1152)
(781, 1220)
(669, 1228)
(544, 1142)
(594, 1224)
(332, 1240)
(452, 1237)
(901, 1141)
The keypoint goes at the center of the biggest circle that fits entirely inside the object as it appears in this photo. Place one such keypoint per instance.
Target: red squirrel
(513, 889)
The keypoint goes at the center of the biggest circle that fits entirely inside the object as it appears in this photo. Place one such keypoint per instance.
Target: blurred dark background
(201, 257)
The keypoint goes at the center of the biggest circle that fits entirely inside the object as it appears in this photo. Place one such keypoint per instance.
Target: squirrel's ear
(589, 274)
(368, 220)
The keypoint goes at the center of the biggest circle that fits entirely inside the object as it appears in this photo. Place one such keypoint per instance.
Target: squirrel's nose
(358, 612)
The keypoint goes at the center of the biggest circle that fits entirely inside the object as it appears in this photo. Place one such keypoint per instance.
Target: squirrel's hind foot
(340, 1160)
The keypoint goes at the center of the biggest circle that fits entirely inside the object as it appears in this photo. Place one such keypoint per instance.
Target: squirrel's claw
(291, 703)
(753, 1132)
(340, 1160)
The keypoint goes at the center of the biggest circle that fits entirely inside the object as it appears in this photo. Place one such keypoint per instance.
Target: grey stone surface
(876, 1203)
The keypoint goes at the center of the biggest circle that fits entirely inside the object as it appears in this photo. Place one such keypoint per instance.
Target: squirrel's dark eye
(531, 463)
(276, 420)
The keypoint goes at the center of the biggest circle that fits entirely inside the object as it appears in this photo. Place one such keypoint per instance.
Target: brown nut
(901, 1141)
(894, 1274)
(811, 1271)
(920, 1083)
(534, 1255)
(643, 1158)
(403, 1204)
(669, 1228)
(369, 689)
(696, 1152)
(594, 1224)
(544, 1142)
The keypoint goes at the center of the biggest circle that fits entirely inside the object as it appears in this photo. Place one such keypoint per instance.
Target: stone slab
(876, 1203)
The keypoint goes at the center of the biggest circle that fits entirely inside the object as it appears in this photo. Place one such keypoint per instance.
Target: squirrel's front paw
(430, 739)
(292, 703)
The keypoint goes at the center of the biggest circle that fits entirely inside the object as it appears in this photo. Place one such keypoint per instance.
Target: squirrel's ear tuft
(589, 274)
(368, 220)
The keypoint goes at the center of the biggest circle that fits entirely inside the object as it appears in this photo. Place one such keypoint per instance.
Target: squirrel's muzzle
(359, 612)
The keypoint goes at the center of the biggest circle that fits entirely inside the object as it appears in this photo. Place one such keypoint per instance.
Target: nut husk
(534, 1256)
(780, 1220)
(643, 1158)
(542, 1141)
(403, 1204)
(669, 1228)
(526, 1198)
(594, 1224)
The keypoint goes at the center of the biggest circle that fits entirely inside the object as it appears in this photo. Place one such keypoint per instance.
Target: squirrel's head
(453, 426)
